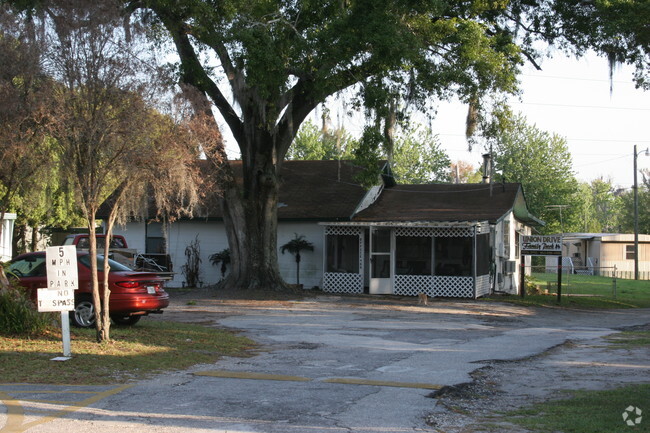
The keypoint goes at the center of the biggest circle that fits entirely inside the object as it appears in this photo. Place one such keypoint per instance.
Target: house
(6, 236)
(452, 240)
(605, 254)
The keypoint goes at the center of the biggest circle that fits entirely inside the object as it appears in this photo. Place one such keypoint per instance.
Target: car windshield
(114, 266)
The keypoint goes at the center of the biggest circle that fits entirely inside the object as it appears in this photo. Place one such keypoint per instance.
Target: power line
(593, 107)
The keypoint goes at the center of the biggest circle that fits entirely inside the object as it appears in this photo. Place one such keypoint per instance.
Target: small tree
(112, 142)
(192, 268)
(294, 246)
(222, 257)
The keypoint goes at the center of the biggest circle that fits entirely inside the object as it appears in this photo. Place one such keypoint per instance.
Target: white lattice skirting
(336, 282)
(483, 286)
(434, 285)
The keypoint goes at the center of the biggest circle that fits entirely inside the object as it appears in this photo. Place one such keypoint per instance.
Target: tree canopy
(265, 65)
(541, 162)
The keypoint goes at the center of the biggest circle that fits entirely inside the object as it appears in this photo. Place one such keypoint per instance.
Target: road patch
(339, 380)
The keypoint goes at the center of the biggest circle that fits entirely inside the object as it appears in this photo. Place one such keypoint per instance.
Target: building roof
(327, 191)
(448, 202)
(319, 190)
(605, 237)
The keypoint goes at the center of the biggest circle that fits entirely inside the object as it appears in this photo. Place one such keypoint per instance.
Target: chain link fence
(599, 281)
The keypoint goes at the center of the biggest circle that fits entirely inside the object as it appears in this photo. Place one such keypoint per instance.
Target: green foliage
(223, 258)
(296, 245)
(627, 217)
(418, 158)
(541, 162)
(607, 207)
(314, 143)
(366, 155)
(18, 315)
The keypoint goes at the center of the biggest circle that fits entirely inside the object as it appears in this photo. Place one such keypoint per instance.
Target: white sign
(55, 300)
(62, 279)
(541, 245)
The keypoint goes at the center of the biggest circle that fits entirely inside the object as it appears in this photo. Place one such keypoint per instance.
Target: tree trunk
(102, 332)
(298, 268)
(250, 219)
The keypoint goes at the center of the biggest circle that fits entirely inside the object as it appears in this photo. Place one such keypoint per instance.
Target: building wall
(6, 236)
(212, 239)
(614, 254)
(505, 238)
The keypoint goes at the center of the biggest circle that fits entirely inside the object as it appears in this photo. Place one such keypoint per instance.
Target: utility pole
(636, 212)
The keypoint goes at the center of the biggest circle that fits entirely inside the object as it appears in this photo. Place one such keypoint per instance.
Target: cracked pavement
(342, 364)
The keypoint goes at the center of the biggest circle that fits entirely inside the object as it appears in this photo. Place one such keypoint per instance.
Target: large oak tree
(265, 65)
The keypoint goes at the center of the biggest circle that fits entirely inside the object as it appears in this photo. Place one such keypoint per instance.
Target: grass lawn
(588, 412)
(133, 353)
(586, 291)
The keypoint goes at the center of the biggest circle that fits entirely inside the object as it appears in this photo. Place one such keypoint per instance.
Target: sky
(572, 98)
(569, 97)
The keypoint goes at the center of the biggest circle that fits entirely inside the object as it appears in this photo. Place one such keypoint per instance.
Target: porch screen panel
(343, 263)
(483, 254)
(412, 255)
(453, 256)
(343, 253)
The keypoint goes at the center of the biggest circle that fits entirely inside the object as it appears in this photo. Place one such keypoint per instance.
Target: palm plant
(222, 257)
(294, 246)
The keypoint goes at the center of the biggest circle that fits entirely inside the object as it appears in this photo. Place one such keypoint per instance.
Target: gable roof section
(448, 203)
(319, 190)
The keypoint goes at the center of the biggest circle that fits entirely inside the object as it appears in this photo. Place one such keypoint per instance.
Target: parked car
(133, 294)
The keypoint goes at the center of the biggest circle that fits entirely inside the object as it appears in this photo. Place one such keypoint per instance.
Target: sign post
(543, 246)
(62, 281)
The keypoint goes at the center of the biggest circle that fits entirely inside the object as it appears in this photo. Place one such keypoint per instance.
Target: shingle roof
(327, 191)
(319, 190)
(443, 202)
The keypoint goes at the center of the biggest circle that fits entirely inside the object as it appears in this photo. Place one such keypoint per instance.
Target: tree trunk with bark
(250, 219)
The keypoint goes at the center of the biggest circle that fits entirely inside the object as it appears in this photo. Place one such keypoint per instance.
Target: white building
(449, 240)
(6, 237)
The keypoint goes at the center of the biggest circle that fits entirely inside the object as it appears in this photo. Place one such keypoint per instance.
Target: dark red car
(133, 294)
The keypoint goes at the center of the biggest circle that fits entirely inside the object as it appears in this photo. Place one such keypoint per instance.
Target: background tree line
(522, 153)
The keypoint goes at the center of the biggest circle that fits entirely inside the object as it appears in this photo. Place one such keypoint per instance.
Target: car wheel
(126, 320)
(83, 315)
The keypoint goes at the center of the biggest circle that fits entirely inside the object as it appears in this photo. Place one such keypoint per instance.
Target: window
(113, 265)
(412, 255)
(453, 256)
(343, 253)
(629, 252)
(155, 243)
(33, 266)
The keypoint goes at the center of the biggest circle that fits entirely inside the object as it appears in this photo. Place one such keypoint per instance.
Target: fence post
(522, 277)
(559, 279)
(614, 282)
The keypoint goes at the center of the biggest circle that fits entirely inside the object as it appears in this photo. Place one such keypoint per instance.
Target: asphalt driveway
(331, 364)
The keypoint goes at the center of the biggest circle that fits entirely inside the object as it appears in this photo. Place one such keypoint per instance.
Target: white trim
(437, 224)
(371, 196)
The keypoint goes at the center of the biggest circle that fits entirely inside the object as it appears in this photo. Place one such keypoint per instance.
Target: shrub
(18, 315)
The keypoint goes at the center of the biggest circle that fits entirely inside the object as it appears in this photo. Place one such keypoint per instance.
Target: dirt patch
(478, 406)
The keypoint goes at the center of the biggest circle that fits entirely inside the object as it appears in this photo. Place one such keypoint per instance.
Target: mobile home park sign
(541, 245)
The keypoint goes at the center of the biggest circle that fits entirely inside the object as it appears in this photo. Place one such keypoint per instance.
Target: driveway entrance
(339, 364)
